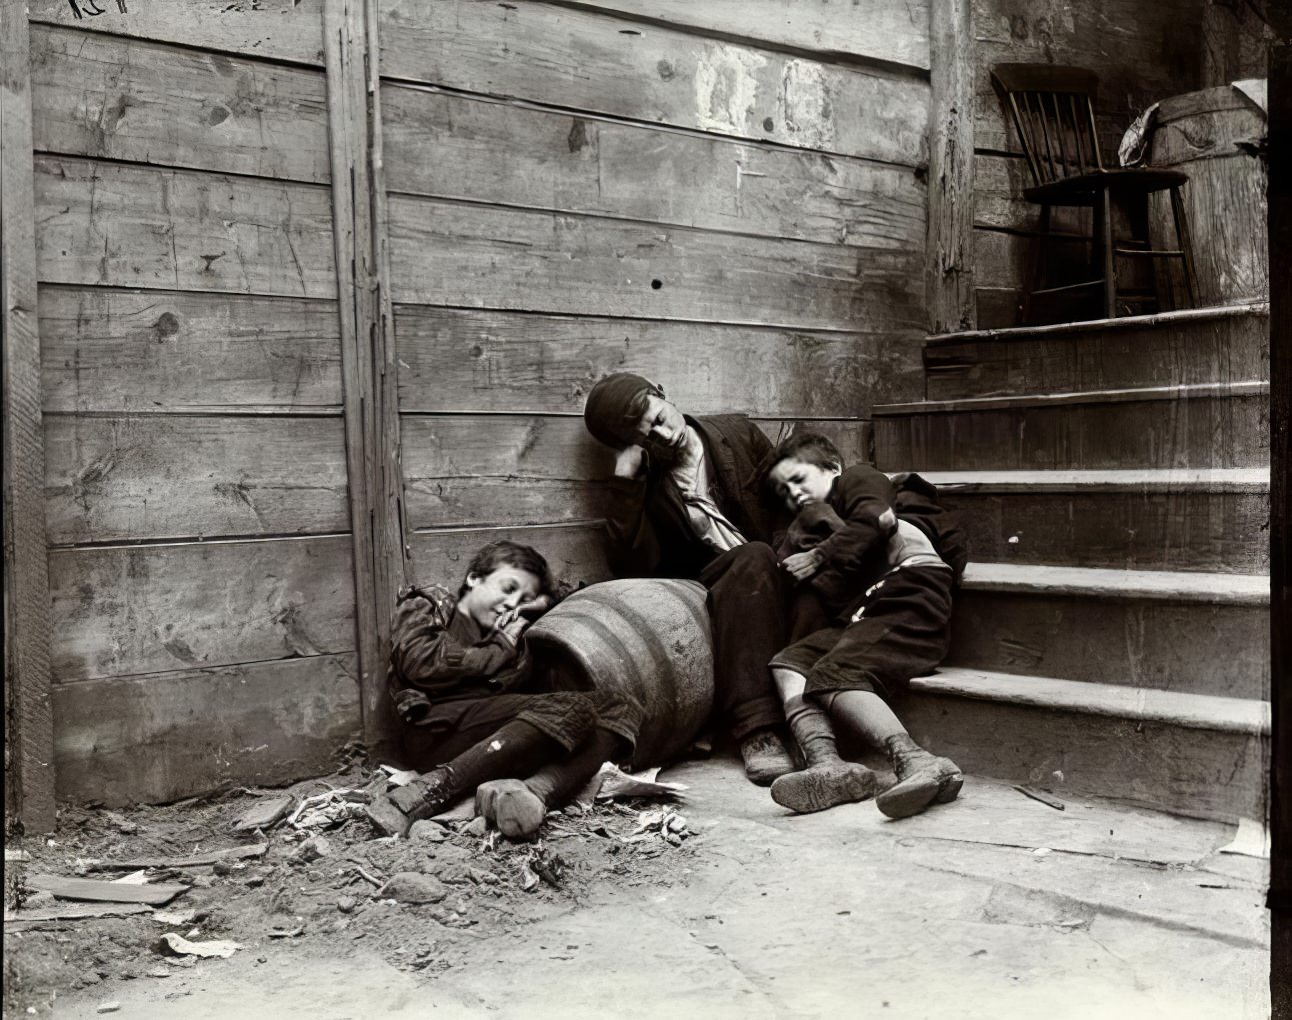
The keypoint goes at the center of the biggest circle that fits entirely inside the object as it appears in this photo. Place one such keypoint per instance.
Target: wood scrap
(19, 919)
(104, 892)
(1043, 797)
(236, 853)
(263, 814)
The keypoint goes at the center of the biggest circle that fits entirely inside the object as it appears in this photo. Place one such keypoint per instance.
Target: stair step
(1172, 585)
(1187, 520)
(1214, 425)
(1203, 345)
(1187, 753)
(1182, 631)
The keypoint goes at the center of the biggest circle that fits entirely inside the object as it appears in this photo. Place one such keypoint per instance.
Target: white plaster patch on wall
(726, 87)
(807, 105)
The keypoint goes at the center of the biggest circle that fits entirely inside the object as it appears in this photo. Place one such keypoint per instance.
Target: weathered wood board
(873, 29)
(575, 552)
(460, 147)
(172, 735)
(487, 257)
(120, 479)
(123, 610)
(1201, 431)
(474, 470)
(280, 29)
(1183, 348)
(1127, 530)
(135, 226)
(455, 360)
(104, 96)
(28, 726)
(146, 350)
(586, 61)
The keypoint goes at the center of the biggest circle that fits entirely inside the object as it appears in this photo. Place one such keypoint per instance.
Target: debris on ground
(1040, 795)
(312, 870)
(263, 814)
(104, 892)
(172, 944)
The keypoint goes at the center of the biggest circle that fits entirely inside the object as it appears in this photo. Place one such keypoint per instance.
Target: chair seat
(1084, 189)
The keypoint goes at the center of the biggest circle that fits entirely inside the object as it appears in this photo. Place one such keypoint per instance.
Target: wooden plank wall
(196, 504)
(726, 198)
(1141, 52)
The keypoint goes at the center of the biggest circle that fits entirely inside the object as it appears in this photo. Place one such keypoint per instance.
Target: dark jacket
(850, 531)
(438, 654)
(650, 535)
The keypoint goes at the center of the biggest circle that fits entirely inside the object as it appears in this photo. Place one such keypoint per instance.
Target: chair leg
(1106, 238)
(1040, 250)
(1185, 241)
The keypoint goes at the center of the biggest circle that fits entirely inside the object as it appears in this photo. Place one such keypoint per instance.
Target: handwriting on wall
(82, 8)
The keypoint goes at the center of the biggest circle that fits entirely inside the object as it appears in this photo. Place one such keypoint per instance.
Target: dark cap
(615, 406)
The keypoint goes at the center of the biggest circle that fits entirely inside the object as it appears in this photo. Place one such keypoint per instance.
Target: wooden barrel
(1213, 136)
(648, 637)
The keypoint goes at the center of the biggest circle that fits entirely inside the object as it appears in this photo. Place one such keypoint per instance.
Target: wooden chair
(1052, 109)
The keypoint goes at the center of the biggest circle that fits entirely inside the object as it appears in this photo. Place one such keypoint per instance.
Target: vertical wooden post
(29, 726)
(1280, 263)
(371, 419)
(949, 252)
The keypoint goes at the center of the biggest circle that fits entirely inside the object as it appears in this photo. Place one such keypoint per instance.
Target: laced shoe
(922, 779)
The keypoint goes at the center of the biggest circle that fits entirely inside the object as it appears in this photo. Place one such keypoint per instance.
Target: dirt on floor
(326, 880)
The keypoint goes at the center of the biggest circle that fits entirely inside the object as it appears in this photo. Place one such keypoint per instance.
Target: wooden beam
(949, 252)
(1280, 263)
(29, 727)
(393, 551)
(372, 435)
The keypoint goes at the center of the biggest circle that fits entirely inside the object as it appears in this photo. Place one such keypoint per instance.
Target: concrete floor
(840, 914)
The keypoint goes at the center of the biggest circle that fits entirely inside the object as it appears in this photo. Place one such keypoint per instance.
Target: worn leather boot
(828, 780)
(922, 779)
(511, 806)
(425, 796)
(765, 757)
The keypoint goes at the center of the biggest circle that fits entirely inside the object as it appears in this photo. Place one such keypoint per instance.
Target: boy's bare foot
(825, 786)
(509, 804)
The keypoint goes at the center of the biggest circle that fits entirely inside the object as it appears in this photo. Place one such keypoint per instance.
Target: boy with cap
(687, 503)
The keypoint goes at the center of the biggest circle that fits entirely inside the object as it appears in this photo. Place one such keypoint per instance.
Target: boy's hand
(511, 625)
(535, 607)
(628, 462)
(803, 565)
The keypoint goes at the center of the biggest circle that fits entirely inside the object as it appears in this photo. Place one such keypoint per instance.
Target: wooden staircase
(1112, 633)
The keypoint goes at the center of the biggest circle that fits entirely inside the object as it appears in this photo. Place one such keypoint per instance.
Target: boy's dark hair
(810, 448)
(510, 554)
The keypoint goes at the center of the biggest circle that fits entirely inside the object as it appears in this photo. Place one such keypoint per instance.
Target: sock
(559, 781)
(514, 749)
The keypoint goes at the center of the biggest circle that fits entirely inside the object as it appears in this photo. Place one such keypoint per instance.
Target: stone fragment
(413, 887)
(427, 831)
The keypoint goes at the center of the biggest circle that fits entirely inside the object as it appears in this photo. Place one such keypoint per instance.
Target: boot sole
(821, 788)
(911, 796)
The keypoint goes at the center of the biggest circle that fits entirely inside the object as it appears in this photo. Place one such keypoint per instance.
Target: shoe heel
(949, 789)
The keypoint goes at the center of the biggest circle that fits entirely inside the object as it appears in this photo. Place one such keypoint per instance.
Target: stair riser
(1225, 532)
(1202, 773)
(1198, 648)
(1170, 354)
(1196, 432)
